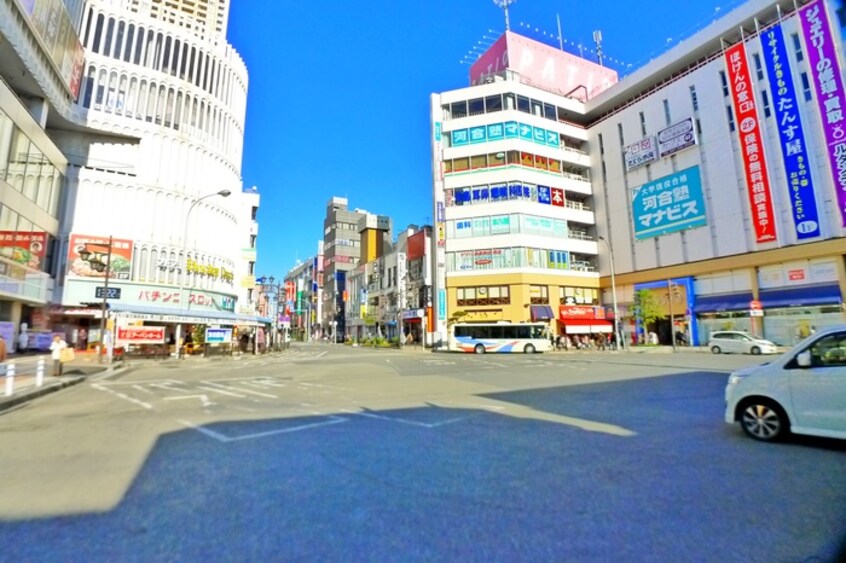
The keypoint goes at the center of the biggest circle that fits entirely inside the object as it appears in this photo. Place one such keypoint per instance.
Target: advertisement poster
(791, 135)
(640, 153)
(826, 75)
(87, 257)
(669, 204)
(676, 137)
(751, 144)
(25, 248)
(141, 334)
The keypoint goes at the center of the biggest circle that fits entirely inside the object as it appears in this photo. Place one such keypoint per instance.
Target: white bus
(480, 338)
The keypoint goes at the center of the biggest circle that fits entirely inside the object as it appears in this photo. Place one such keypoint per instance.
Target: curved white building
(155, 137)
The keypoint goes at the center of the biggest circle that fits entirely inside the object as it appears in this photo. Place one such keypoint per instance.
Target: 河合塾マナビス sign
(669, 204)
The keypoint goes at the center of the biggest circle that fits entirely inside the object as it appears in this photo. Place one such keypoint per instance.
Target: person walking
(56, 348)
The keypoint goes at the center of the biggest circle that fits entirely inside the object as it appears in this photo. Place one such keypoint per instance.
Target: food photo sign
(88, 257)
(24, 247)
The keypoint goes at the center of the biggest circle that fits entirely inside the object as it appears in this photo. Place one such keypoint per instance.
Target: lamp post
(270, 291)
(620, 343)
(105, 297)
(184, 273)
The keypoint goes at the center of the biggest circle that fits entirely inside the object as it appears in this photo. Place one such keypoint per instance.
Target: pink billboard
(544, 67)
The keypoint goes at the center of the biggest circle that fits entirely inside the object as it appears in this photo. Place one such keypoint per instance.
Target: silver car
(739, 342)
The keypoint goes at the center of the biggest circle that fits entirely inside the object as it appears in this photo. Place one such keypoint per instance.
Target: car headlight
(734, 379)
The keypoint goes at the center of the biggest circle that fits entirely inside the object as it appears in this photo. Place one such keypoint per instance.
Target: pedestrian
(23, 340)
(3, 354)
(56, 348)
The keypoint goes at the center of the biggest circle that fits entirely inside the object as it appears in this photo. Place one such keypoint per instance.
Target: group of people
(602, 341)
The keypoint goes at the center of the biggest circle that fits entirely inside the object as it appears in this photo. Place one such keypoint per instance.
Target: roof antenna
(504, 5)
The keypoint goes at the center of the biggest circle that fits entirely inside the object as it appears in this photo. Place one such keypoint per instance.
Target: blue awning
(828, 294)
(542, 313)
(724, 302)
(170, 314)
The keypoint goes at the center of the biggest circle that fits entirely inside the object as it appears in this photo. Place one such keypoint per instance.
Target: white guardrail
(24, 370)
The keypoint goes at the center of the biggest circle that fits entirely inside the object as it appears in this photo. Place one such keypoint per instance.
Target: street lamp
(620, 342)
(184, 272)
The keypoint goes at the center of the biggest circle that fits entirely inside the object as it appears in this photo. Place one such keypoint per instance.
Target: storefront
(583, 320)
(412, 324)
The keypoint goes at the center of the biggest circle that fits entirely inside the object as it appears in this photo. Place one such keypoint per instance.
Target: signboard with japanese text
(140, 334)
(640, 153)
(218, 335)
(24, 247)
(791, 135)
(676, 137)
(87, 257)
(669, 204)
(751, 144)
(557, 197)
(570, 312)
(827, 77)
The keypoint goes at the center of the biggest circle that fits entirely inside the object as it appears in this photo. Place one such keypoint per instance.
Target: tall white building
(154, 142)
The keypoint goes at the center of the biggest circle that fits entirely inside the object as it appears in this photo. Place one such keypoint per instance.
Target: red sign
(796, 275)
(141, 334)
(755, 305)
(24, 247)
(88, 257)
(751, 144)
(570, 312)
(557, 197)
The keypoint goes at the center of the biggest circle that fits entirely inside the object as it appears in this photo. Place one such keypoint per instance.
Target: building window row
(569, 295)
(508, 101)
(515, 223)
(149, 101)
(135, 44)
(510, 191)
(517, 257)
(483, 295)
(26, 169)
(513, 158)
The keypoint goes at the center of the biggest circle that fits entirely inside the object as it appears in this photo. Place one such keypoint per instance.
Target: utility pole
(104, 306)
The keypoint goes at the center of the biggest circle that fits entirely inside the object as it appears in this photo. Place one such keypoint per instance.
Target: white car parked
(803, 391)
(739, 342)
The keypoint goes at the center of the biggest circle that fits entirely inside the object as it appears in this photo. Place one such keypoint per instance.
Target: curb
(31, 394)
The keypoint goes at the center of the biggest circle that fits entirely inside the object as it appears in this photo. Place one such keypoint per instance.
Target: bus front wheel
(479, 349)
(529, 349)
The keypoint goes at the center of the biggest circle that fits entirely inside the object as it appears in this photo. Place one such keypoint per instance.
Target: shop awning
(724, 302)
(166, 314)
(542, 313)
(587, 326)
(828, 294)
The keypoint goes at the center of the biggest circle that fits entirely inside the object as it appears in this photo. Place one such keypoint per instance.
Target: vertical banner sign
(791, 135)
(751, 144)
(826, 76)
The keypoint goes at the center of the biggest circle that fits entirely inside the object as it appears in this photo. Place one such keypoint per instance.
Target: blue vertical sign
(790, 134)
(544, 195)
(442, 304)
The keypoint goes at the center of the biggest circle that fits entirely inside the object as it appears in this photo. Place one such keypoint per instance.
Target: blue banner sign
(442, 304)
(791, 136)
(218, 335)
(669, 204)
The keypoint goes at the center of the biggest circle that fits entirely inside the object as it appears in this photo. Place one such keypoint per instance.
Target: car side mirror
(803, 360)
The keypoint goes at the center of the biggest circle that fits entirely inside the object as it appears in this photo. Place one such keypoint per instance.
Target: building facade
(155, 165)
(710, 178)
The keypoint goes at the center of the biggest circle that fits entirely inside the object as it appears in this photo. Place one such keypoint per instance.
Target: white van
(803, 391)
(738, 342)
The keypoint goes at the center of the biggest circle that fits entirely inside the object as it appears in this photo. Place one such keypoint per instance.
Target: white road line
(204, 399)
(268, 395)
(320, 355)
(221, 391)
(406, 421)
(122, 396)
(143, 389)
(225, 439)
(167, 386)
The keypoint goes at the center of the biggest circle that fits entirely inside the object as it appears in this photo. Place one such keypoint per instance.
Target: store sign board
(640, 153)
(669, 204)
(141, 334)
(676, 137)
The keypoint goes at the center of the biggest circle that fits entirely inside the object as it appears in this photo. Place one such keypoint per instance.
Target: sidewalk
(25, 386)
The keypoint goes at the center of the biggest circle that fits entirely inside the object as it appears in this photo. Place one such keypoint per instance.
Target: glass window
(730, 118)
(493, 103)
(499, 192)
(829, 351)
(806, 86)
(513, 157)
(549, 111)
(480, 194)
(797, 47)
(458, 109)
(523, 104)
(463, 196)
(537, 108)
(7, 131)
(461, 164)
(463, 228)
(694, 100)
(759, 70)
(479, 161)
(766, 103)
(724, 83)
(477, 106)
(481, 226)
(510, 102)
(496, 159)
(17, 159)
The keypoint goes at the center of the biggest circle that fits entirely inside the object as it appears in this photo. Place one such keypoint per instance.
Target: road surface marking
(268, 395)
(122, 396)
(203, 399)
(221, 391)
(225, 439)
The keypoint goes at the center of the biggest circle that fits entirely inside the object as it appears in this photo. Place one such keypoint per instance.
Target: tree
(646, 307)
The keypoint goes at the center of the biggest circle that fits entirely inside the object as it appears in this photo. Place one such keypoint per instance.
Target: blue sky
(339, 94)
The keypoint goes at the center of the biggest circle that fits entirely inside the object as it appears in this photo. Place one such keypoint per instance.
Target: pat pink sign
(543, 66)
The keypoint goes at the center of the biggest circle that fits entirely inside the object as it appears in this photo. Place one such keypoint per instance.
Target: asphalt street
(331, 453)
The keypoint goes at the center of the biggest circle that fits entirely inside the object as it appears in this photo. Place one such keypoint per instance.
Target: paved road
(333, 453)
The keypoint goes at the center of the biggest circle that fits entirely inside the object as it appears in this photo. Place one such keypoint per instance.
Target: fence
(22, 373)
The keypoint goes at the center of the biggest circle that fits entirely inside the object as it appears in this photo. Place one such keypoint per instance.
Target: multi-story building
(341, 253)
(155, 154)
(713, 172)
(301, 294)
(515, 230)
(245, 274)
(39, 78)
